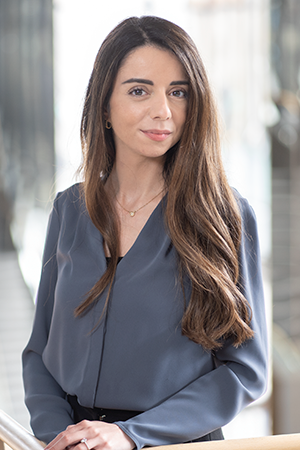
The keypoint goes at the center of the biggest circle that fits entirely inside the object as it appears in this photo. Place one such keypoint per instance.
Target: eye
(137, 92)
(179, 93)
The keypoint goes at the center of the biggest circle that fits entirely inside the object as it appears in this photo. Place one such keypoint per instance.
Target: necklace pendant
(132, 213)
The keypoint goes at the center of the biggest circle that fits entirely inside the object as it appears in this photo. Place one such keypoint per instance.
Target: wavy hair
(201, 213)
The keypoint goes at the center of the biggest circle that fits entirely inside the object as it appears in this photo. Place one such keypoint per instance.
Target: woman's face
(148, 105)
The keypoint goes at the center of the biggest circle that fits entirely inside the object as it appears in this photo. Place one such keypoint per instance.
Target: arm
(50, 411)
(214, 399)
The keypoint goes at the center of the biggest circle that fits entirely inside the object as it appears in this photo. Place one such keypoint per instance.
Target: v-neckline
(141, 233)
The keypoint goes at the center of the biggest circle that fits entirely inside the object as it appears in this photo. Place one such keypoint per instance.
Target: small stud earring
(107, 125)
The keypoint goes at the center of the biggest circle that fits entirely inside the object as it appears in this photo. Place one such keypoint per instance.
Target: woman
(150, 325)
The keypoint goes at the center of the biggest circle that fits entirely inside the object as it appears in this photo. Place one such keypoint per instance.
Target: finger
(69, 437)
(85, 442)
(55, 443)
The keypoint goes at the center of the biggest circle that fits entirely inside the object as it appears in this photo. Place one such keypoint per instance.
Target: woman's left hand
(99, 436)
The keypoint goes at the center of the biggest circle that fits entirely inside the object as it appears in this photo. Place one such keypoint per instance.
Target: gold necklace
(133, 213)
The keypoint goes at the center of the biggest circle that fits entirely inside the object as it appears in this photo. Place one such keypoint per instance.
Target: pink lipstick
(157, 135)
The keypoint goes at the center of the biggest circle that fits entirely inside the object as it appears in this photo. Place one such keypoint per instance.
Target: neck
(136, 182)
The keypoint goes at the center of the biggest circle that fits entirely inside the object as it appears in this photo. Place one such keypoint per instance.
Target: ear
(107, 113)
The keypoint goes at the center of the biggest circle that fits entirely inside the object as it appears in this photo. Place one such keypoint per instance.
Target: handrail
(16, 437)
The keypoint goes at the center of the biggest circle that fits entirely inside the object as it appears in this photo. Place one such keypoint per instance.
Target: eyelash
(136, 89)
(183, 91)
(132, 91)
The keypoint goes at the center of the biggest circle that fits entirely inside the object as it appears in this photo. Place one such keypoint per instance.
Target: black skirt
(114, 415)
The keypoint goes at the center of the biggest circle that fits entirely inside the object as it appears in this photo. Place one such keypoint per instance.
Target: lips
(157, 135)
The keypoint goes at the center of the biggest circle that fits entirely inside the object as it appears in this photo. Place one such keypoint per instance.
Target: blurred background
(251, 49)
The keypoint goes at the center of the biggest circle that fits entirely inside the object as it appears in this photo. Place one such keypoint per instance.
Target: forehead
(150, 59)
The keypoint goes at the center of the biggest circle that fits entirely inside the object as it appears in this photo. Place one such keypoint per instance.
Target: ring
(84, 441)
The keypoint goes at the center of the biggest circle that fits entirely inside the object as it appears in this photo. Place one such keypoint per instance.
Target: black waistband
(115, 415)
(106, 415)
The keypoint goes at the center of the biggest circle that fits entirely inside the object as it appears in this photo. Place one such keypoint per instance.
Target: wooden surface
(282, 442)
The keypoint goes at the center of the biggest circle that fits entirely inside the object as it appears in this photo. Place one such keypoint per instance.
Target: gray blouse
(136, 358)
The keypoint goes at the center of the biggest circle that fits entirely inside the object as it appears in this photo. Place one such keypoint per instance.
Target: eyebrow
(143, 81)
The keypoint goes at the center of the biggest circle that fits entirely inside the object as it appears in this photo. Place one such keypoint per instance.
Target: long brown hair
(201, 213)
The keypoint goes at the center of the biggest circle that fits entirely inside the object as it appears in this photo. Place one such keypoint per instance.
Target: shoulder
(72, 194)
(70, 199)
(69, 205)
(246, 210)
(249, 223)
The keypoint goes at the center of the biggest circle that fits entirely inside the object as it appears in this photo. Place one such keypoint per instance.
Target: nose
(160, 108)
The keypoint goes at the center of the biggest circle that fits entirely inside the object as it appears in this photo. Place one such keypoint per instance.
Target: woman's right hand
(97, 435)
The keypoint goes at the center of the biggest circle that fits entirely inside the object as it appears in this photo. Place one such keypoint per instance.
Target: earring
(107, 125)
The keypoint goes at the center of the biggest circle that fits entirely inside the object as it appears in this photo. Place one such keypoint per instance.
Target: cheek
(134, 112)
(181, 118)
(126, 114)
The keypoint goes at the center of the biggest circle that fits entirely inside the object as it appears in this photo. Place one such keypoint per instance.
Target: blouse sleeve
(46, 401)
(214, 399)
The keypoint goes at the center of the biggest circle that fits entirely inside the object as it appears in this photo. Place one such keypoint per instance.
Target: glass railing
(17, 438)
